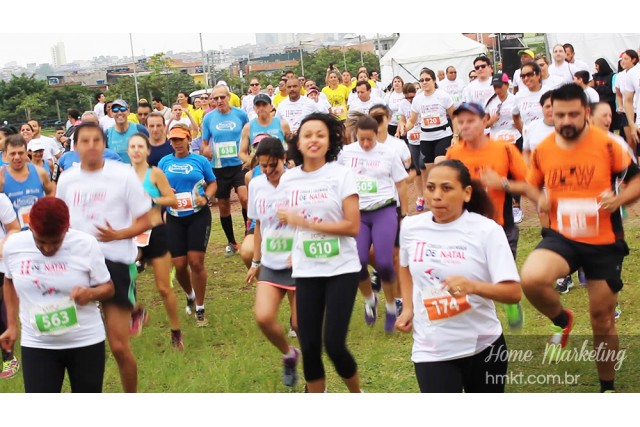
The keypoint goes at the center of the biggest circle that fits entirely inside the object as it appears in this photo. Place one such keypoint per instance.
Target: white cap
(35, 145)
(222, 82)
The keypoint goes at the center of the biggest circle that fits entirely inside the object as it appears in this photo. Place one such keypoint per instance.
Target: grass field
(231, 355)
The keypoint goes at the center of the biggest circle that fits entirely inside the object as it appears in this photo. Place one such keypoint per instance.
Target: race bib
(338, 110)
(445, 307)
(414, 136)
(507, 137)
(23, 216)
(320, 248)
(279, 244)
(431, 121)
(578, 217)
(142, 240)
(227, 150)
(366, 185)
(185, 202)
(54, 319)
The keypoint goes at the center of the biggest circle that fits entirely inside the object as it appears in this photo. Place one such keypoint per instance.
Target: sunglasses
(118, 109)
(204, 97)
(425, 80)
(215, 98)
(480, 67)
(529, 74)
(254, 84)
(409, 98)
(473, 77)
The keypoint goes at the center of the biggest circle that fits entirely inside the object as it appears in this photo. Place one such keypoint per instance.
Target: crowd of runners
(323, 178)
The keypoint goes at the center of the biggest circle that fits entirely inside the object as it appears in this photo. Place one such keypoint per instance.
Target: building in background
(58, 55)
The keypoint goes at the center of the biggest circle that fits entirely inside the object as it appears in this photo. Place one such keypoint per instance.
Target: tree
(31, 104)
(13, 94)
(316, 64)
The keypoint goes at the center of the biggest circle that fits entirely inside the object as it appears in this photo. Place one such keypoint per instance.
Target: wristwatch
(505, 184)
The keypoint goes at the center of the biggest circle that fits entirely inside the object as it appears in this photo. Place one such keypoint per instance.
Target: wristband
(505, 184)
(255, 264)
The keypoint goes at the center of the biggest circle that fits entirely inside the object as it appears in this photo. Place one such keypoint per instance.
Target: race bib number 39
(578, 217)
(55, 319)
(185, 202)
(441, 308)
(279, 244)
(319, 250)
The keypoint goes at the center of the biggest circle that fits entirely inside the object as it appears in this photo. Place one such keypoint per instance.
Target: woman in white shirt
(324, 209)
(53, 278)
(455, 262)
(8, 225)
(392, 100)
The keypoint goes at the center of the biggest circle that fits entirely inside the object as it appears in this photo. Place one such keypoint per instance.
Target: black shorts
(123, 277)
(599, 262)
(513, 235)
(397, 242)
(417, 158)
(188, 233)
(157, 246)
(228, 178)
(435, 148)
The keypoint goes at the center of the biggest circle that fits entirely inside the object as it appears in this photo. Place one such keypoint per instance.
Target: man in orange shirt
(495, 162)
(580, 167)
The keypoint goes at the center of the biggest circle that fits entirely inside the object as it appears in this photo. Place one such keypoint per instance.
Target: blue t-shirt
(157, 153)
(223, 131)
(23, 194)
(119, 142)
(273, 129)
(72, 158)
(188, 176)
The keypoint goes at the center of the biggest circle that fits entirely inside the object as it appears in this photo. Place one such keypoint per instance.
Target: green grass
(231, 355)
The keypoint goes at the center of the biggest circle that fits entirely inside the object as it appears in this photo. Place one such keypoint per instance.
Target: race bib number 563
(55, 319)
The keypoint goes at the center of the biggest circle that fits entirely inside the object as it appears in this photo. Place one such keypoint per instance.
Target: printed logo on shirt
(309, 197)
(80, 198)
(454, 254)
(575, 177)
(228, 126)
(357, 162)
(180, 169)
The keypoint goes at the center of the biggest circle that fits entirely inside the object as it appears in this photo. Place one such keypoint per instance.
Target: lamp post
(135, 74)
(359, 37)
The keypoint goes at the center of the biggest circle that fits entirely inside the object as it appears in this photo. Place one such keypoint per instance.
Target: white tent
(412, 52)
(591, 46)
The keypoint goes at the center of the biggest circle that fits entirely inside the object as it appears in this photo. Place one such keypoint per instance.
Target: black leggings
(43, 369)
(330, 299)
(484, 372)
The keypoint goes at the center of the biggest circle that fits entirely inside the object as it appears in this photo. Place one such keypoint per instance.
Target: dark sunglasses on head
(480, 67)
(118, 109)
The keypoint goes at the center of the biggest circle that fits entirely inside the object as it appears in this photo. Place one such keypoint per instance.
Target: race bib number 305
(440, 308)
(366, 185)
(54, 319)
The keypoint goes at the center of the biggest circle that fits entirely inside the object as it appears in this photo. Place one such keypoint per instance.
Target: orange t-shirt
(503, 158)
(574, 179)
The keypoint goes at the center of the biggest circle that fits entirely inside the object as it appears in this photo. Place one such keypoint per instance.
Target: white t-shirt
(7, 215)
(295, 112)
(471, 246)
(114, 194)
(632, 84)
(318, 196)
(323, 105)
(184, 120)
(42, 281)
(99, 110)
(355, 104)
(454, 88)
(277, 239)
(247, 106)
(592, 95)
(534, 134)
(563, 71)
(399, 147)
(578, 65)
(527, 106)
(517, 81)
(107, 122)
(413, 135)
(477, 91)
(550, 83)
(432, 113)
(393, 100)
(503, 129)
(377, 171)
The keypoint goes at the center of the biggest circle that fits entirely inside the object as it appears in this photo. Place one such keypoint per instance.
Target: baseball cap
(262, 97)
(222, 82)
(500, 79)
(35, 145)
(179, 132)
(471, 108)
(527, 52)
(313, 89)
(259, 137)
(120, 102)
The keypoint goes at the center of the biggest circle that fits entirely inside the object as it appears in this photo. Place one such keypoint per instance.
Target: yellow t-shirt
(191, 111)
(354, 83)
(338, 100)
(234, 100)
(278, 98)
(133, 118)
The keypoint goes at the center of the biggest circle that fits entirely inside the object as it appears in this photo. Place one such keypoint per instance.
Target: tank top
(149, 186)
(272, 129)
(23, 194)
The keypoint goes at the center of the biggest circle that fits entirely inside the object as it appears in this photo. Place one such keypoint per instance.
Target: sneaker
(376, 284)
(231, 250)
(582, 278)
(518, 215)
(139, 318)
(292, 333)
(201, 321)
(289, 368)
(140, 266)
(389, 322)
(563, 285)
(371, 312)
(618, 312)
(176, 340)
(515, 315)
(560, 335)
(10, 368)
(399, 306)
(191, 306)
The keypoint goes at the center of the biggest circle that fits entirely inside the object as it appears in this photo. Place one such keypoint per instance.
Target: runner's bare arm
(83, 295)
(48, 185)
(244, 146)
(139, 225)
(508, 292)
(8, 338)
(404, 322)
(168, 196)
